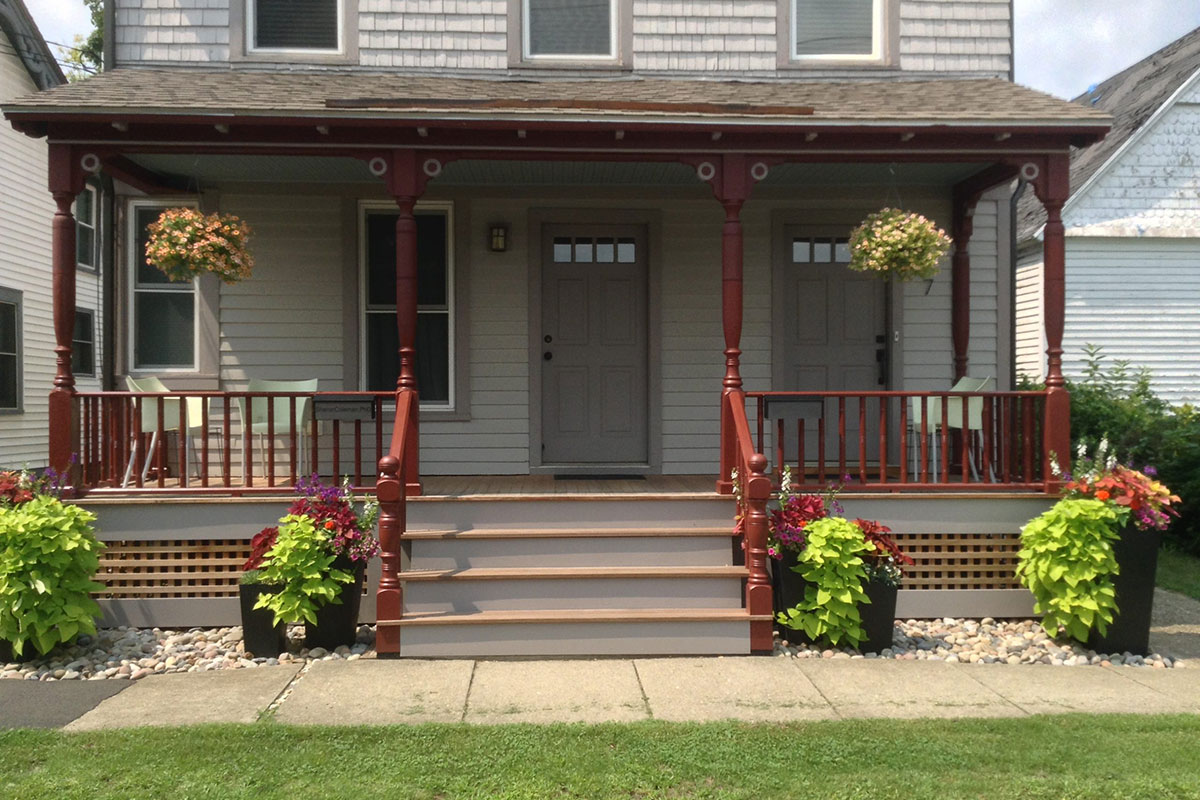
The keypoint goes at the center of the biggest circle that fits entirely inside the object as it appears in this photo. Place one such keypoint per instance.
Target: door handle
(547, 356)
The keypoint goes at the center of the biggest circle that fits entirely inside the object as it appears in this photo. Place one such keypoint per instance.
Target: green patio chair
(256, 420)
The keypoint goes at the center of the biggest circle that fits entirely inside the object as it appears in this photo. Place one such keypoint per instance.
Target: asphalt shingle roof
(1131, 97)
(360, 94)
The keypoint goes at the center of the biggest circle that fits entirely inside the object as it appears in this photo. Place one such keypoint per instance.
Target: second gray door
(594, 345)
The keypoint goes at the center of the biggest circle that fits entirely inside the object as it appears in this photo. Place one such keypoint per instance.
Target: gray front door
(834, 334)
(594, 345)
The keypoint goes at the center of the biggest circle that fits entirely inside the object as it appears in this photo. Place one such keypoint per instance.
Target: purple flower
(1149, 471)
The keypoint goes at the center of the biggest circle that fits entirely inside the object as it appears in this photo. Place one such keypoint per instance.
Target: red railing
(391, 490)
(754, 490)
(227, 442)
(904, 440)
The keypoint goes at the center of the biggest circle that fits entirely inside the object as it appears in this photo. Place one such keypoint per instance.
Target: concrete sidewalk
(753, 689)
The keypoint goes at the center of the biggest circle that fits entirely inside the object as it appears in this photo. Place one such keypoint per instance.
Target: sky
(1063, 46)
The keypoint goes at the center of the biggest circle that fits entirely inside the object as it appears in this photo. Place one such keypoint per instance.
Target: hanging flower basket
(185, 243)
(898, 244)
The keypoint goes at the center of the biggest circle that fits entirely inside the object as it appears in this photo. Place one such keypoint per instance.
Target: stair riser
(558, 594)
(576, 639)
(574, 513)
(666, 551)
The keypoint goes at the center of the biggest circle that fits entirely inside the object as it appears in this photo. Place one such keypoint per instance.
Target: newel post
(66, 182)
(758, 584)
(390, 596)
(1052, 184)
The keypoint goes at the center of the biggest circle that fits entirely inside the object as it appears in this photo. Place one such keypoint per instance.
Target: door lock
(547, 356)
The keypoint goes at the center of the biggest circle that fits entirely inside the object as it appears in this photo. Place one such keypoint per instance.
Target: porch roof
(141, 93)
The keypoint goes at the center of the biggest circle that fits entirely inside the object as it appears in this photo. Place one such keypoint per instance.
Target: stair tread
(536, 573)
(569, 533)
(577, 615)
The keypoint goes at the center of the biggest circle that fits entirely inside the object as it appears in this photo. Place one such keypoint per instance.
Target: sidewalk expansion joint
(284, 693)
(641, 688)
(470, 685)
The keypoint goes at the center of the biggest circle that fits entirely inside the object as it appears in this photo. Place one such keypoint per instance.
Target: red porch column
(732, 188)
(1053, 188)
(960, 280)
(66, 182)
(406, 180)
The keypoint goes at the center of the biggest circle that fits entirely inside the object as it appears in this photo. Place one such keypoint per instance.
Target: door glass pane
(606, 251)
(8, 381)
(562, 250)
(296, 24)
(841, 251)
(570, 27)
(822, 251)
(626, 251)
(165, 335)
(801, 251)
(833, 27)
(583, 251)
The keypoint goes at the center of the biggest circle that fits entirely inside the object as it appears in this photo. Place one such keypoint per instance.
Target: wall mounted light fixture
(498, 237)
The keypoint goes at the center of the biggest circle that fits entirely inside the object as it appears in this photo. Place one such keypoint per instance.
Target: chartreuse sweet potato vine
(48, 555)
(834, 570)
(301, 565)
(1066, 560)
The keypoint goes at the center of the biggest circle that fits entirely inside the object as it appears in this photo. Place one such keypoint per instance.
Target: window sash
(876, 33)
(425, 311)
(87, 244)
(527, 44)
(83, 343)
(144, 291)
(252, 30)
(11, 395)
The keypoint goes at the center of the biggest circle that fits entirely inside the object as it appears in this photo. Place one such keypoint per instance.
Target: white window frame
(16, 299)
(878, 31)
(93, 225)
(252, 33)
(132, 290)
(366, 207)
(614, 32)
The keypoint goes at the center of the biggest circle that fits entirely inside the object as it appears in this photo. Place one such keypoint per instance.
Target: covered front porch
(633, 332)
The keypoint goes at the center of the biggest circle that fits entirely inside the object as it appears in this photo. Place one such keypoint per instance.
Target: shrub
(1066, 560)
(833, 567)
(48, 555)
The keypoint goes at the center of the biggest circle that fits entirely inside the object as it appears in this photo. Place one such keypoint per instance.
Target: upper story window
(300, 26)
(570, 28)
(845, 31)
(10, 350)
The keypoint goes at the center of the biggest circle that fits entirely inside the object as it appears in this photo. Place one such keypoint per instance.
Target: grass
(1179, 572)
(1060, 757)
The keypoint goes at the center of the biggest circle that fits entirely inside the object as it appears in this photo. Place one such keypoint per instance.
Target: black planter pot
(878, 616)
(259, 635)
(787, 589)
(337, 623)
(1136, 552)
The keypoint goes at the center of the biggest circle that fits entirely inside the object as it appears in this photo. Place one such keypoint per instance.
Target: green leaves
(1066, 559)
(831, 565)
(301, 565)
(48, 555)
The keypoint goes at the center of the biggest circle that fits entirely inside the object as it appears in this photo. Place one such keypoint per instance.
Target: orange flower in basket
(1102, 495)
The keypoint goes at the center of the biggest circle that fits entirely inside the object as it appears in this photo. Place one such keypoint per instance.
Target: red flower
(1102, 495)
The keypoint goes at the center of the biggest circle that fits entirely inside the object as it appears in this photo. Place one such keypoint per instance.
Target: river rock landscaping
(985, 641)
(128, 653)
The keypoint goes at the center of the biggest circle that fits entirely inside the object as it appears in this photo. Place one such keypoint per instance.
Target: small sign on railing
(346, 408)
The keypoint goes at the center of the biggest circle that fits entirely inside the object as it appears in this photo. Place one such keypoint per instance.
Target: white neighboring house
(26, 210)
(1133, 231)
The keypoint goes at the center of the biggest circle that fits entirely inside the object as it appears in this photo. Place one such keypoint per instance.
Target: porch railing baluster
(292, 437)
(902, 430)
(247, 450)
(883, 440)
(226, 443)
(841, 406)
(270, 441)
(862, 438)
(965, 433)
(161, 439)
(924, 439)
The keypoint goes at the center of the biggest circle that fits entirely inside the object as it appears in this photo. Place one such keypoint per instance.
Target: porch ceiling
(208, 170)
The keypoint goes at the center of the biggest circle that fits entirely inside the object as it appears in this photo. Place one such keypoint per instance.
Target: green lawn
(1179, 572)
(1054, 757)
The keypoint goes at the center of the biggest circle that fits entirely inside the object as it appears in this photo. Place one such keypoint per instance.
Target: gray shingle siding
(731, 37)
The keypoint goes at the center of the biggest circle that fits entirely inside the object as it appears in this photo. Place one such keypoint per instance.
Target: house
(608, 241)
(26, 341)
(1133, 231)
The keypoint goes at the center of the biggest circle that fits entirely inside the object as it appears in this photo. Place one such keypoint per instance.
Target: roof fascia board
(1077, 196)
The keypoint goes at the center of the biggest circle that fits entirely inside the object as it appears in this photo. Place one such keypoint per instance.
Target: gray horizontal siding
(730, 37)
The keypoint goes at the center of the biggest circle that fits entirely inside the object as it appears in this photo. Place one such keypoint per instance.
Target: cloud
(1064, 46)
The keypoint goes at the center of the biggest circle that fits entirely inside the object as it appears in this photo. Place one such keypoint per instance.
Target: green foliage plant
(301, 566)
(1066, 559)
(832, 565)
(48, 555)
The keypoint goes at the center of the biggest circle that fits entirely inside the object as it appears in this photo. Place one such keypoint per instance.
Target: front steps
(571, 577)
